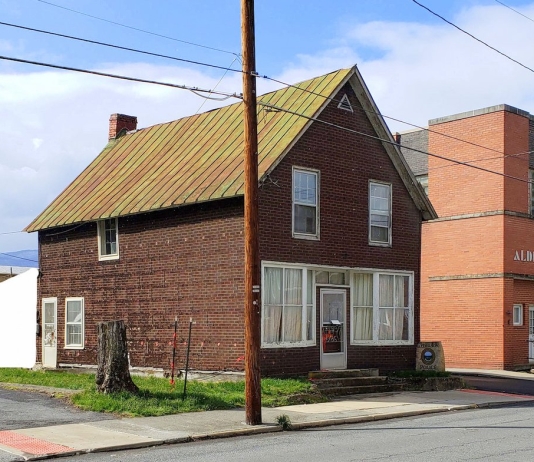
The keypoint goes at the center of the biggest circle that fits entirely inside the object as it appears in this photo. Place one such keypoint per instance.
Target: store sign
(524, 255)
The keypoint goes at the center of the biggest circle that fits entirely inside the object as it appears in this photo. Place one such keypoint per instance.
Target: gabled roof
(197, 158)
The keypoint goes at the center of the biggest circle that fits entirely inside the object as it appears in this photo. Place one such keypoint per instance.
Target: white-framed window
(108, 239)
(517, 315)
(531, 192)
(288, 315)
(74, 322)
(382, 308)
(305, 203)
(379, 213)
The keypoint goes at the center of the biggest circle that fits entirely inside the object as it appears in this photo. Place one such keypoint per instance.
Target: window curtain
(385, 301)
(293, 305)
(363, 307)
(272, 319)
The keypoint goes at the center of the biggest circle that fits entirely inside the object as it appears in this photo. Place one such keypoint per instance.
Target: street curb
(264, 429)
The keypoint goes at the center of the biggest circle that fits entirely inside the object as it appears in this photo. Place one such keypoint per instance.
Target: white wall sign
(524, 255)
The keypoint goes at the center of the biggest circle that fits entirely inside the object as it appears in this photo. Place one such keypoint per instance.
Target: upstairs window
(379, 213)
(108, 239)
(305, 204)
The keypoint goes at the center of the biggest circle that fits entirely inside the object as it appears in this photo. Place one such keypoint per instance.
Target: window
(330, 277)
(108, 239)
(379, 213)
(382, 308)
(288, 317)
(531, 192)
(74, 327)
(518, 315)
(305, 204)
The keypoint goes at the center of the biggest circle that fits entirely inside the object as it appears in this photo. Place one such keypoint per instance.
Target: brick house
(153, 229)
(477, 265)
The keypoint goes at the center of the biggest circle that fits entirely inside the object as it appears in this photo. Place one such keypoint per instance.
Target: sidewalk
(108, 435)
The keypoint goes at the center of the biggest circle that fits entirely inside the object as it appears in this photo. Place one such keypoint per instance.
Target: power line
(110, 45)
(367, 135)
(11, 232)
(329, 98)
(20, 258)
(194, 90)
(473, 37)
(139, 30)
(226, 69)
(515, 11)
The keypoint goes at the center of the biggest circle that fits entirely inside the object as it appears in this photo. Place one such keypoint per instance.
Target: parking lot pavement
(22, 409)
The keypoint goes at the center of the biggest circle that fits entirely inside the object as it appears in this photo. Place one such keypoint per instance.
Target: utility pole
(252, 256)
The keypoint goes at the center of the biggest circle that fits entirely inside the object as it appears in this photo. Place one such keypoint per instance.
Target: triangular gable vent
(345, 104)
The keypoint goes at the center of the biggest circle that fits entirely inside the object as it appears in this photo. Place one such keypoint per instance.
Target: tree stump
(112, 374)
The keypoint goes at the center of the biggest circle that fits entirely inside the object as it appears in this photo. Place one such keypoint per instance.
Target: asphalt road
(19, 409)
(491, 434)
(505, 385)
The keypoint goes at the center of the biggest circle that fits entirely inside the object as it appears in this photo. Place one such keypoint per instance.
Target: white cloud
(54, 122)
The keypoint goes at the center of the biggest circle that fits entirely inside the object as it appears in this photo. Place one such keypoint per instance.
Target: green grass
(157, 397)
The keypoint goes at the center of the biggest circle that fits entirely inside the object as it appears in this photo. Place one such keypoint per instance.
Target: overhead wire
(227, 69)
(138, 29)
(367, 135)
(515, 11)
(119, 47)
(473, 37)
(194, 90)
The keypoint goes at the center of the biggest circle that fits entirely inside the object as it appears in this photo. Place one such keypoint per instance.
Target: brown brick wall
(188, 261)
(346, 163)
(185, 262)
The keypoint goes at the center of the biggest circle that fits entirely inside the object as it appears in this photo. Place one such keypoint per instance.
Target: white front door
(333, 329)
(50, 332)
(531, 333)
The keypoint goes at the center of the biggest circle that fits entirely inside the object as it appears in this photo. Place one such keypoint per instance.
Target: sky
(53, 122)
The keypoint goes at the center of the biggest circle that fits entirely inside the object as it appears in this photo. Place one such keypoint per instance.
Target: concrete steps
(351, 382)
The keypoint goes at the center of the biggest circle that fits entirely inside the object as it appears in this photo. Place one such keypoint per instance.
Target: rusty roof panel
(193, 159)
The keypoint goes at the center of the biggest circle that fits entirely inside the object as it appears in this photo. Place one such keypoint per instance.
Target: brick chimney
(118, 122)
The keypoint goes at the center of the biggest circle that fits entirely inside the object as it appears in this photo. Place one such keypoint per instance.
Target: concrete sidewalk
(108, 435)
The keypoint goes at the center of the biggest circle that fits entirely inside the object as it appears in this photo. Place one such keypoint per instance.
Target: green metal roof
(194, 159)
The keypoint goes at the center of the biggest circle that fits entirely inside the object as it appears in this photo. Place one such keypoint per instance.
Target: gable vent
(345, 104)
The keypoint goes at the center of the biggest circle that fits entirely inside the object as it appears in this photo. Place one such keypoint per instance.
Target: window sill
(108, 257)
(308, 237)
(383, 343)
(73, 347)
(287, 345)
(380, 244)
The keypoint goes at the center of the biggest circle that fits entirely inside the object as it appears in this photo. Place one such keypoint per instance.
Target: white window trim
(101, 234)
(302, 343)
(376, 319)
(81, 346)
(515, 321)
(380, 243)
(316, 236)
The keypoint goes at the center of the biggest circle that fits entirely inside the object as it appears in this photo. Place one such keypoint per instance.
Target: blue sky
(55, 122)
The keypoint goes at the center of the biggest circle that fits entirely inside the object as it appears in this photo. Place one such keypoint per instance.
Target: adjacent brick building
(477, 286)
(153, 229)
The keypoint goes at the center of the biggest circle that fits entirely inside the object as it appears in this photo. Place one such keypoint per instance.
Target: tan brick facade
(469, 278)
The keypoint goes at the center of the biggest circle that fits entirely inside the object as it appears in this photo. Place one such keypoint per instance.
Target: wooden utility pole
(252, 257)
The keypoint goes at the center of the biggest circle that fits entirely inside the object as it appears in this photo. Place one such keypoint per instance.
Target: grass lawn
(158, 397)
